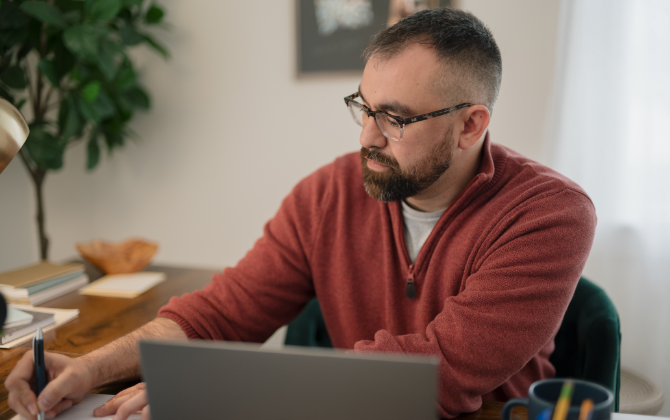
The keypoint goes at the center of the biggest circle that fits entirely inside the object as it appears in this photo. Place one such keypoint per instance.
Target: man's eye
(391, 121)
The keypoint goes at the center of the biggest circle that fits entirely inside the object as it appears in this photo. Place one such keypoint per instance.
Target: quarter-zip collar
(490, 171)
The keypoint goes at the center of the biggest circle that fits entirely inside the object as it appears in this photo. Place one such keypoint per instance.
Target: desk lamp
(13, 133)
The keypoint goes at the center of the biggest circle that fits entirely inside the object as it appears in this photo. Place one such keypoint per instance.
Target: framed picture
(332, 34)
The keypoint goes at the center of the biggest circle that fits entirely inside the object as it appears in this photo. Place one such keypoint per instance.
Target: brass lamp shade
(13, 132)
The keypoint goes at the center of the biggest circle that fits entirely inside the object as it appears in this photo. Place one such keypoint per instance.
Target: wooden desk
(102, 320)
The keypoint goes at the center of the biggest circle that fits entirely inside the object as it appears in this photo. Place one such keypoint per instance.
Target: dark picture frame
(339, 50)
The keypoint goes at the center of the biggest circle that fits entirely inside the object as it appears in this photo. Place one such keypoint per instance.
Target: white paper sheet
(84, 410)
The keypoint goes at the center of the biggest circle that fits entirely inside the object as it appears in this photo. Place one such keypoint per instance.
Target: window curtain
(610, 134)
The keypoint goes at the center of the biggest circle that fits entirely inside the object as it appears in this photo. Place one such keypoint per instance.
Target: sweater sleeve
(511, 304)
(269, 286)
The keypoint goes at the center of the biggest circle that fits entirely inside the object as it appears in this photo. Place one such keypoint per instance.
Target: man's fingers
(66, 382)
(58, 408)
(22, 409)
(145, 413)
(133, 405)
(111, 406)
(21, 397)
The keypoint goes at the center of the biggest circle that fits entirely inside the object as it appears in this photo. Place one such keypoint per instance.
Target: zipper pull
(410, 289)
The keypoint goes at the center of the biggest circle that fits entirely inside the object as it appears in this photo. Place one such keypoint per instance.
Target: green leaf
(20, 104)
(154, 15)
(103, 10)
(6, 95)
(125, 79)
(63, 59)
(14, 77)
(93, 150)
(48, 69)
(11, 17)
(128, 3)
(72, 17)
(106, 62)
(129, 35)
(69, 124)
(138, 98)
(44, 149)
(44, 12)
(14, 37)
(156, 46)
(79, 73)
(104, 106)
(87, 110)
(123, 105)
(82, 40)
(70, 5)
(113, 132)
(91, 91)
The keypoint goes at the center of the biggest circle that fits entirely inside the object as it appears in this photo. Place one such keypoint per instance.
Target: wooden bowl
(127, 257)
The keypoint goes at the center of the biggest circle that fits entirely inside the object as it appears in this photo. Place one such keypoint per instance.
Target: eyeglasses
(391, 126)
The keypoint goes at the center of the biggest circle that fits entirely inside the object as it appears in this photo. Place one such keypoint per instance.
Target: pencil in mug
(587, 409)
(563, 403)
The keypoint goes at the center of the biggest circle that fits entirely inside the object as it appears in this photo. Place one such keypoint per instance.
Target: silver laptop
(215, 380)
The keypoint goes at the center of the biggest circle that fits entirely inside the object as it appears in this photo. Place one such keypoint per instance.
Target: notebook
(36, 273)
(214, 380)
(16, 318)
(84, 410)
(123, 285)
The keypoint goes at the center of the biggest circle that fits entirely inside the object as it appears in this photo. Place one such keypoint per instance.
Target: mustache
(377, 156)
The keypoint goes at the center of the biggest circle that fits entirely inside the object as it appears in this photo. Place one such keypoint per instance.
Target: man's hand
(68, 381)
(125, 403)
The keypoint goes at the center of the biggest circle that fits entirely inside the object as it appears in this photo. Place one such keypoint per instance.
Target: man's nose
(371, 135)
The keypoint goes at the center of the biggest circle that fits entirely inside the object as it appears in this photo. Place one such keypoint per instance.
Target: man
(451, 246)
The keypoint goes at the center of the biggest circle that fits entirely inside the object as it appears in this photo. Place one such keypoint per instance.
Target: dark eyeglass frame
(404, 121)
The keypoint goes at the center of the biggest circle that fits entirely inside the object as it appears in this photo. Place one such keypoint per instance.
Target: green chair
(588, 343)
(308, 329)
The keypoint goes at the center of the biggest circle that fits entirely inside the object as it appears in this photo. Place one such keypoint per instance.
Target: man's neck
(454, 180)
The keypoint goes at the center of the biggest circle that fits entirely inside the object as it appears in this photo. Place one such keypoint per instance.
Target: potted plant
(65, 65)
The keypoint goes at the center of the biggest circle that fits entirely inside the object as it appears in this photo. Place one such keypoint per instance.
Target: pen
(40, 369)
(545, 414)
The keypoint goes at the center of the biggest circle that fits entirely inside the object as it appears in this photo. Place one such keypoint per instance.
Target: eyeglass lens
(388, 126)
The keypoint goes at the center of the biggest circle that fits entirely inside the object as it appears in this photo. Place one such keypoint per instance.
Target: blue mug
(544, 394)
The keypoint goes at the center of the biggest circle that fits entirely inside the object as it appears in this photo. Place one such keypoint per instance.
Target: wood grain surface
(104, 319)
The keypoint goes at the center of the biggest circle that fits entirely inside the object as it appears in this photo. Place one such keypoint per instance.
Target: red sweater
(493, 279)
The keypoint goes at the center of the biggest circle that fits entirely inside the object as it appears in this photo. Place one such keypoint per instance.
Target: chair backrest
(308, 329)
(588, 343)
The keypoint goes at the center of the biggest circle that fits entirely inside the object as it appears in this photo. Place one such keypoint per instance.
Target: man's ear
(475, 121)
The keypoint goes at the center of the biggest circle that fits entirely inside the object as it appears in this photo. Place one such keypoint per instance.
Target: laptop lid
(216, 380)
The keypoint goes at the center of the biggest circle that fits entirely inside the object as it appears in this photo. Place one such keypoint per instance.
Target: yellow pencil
(586, 410)
(563, 403)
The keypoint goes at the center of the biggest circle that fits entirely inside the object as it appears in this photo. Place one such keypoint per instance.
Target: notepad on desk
(123, 285)
(84, 410)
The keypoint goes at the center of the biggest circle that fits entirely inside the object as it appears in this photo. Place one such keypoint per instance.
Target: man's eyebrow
(393, 106)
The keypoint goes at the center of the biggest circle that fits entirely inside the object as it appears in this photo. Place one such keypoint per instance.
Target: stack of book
(21, 322)
(41, 282)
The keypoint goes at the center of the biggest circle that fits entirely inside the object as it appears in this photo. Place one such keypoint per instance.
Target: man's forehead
(405, 82)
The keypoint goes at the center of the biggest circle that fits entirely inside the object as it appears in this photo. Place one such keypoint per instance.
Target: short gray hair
(461, 41)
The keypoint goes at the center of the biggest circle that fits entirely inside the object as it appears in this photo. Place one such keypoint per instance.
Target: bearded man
(451, 245)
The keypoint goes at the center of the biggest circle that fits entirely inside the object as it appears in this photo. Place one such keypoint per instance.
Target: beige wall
(232, 130)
